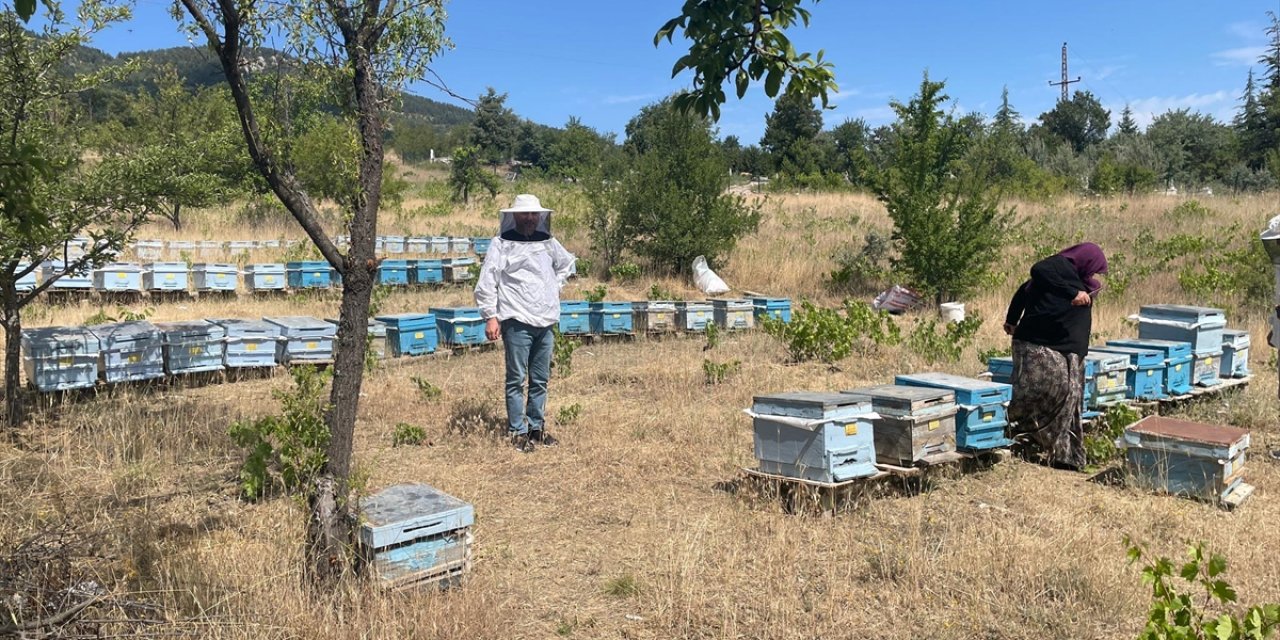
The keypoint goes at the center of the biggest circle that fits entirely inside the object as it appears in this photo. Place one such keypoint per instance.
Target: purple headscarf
(1089, 261)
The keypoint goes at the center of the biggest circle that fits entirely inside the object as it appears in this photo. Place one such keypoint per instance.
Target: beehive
(481, 245)
(249, 343)
(264, 276)
(1185, 458)
(81, 280)
(192, 346)
(118, 277)
(129, 351)
(776, 308)
(308, 274)
(459, 325)
(693, 316)
(148, 249)
(393, 244)
(1204, 368)
(60, 358)
(1001, 368)
(242, 246)
(393, 272)
(27, 281)
(611, 318)
(575, 317)
(303, 340)
(418, 245)
(981, 407)
(1144, 375)
(1200, 326)
(426, 271)
(439, 244)
(654, 316)
(411, 334)
(166, 276)
(211, 248)
(460, 245)
(913, 423)
(1105, 378)
(1235, 354)
(414, 534)
(215, 277)
(733, 314)
(824, 437)
(178, 247)
(1177, 362)
(457, 269)
(377, 334)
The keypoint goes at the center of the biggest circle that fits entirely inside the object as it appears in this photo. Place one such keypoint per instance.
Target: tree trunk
(12, 319)
(176, 217)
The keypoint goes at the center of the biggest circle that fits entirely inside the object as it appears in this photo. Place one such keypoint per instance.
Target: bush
(1100, 442)
(716, 373)
(562, 354)
(596, 293)
(568, 415)
(866, 269)
(428, 391)
(408, 434)
(1243, 274)
(815, 333)
(624, 271)
(946, 346)
(286, 451)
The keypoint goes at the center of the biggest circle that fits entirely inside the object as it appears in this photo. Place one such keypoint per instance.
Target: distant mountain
(200, 68)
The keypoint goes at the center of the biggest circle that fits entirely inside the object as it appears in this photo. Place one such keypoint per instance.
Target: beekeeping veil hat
(526, 203)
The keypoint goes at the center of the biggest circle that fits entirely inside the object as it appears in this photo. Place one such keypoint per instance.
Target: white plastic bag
(706, 279)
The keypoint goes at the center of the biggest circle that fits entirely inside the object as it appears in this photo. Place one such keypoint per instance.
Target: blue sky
(595, 59)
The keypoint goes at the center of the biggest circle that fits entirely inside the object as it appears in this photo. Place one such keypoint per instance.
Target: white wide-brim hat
(526, 202)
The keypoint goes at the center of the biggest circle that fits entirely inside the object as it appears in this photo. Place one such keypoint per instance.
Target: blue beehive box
(249, 343)
(481, 245)
(75, 281)
(166, 276)
(377, 334)
(309, 274)
(60, 358)
(1145, 374)
(654, 316)
(981, 416)
(264, 276)
(192, 346)
(459, 325)
(118, 277)
(426, 272)
(27, 281)
(414, 535)
(611, 317)
(410, 334)
(393, 272)
(216, 277)
(1196, 460)
(129, 351)
(1001, 368)
(393, 244)
(457, 269)
(776, 308)
(693, 316)
(822, 437)
(732, 314)
(304, 340)
(1108, 377)
(1201, 326)
(1235, 354)
(575, 317)
(1177, 362)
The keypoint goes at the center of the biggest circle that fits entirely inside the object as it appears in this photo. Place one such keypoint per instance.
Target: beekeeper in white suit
(518, 293)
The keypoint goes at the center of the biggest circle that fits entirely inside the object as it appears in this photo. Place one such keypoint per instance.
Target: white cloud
(1246, 56)
(1219, 104)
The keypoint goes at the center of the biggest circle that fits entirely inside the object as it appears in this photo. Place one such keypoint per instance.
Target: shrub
(863, 270)
(286, 451)
(815, 333)
(624, 271)
(926, 341)
(596, 294)
(1100, 442)
(428, 391)
(568, 415)
(562, 354)
(716, 373)
(408, 434)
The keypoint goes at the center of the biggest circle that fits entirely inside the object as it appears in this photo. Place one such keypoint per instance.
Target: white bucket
(952, 311)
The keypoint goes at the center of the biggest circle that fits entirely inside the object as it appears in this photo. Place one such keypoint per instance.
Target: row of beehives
(1177, 349)
(383, 245)
(66, 358)
(209, 277)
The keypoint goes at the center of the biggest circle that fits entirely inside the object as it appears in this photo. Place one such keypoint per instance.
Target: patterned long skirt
(1048, 392)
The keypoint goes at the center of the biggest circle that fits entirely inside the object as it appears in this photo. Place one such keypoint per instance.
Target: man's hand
(492, 330)
(1082, 299)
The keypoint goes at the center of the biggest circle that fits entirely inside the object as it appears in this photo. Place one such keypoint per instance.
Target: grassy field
(633, 528)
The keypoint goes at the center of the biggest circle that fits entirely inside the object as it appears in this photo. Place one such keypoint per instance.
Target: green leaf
(1189, 571)
(742, 82)
(773, 81)
(1217, 564)
(25, 9)
(1222, 591)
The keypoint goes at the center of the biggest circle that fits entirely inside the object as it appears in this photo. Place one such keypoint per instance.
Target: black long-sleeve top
(1041, 308)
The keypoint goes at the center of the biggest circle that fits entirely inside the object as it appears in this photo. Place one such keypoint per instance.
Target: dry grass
(630, 529)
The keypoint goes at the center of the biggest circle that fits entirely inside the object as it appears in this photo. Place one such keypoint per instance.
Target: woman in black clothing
(1050, 319)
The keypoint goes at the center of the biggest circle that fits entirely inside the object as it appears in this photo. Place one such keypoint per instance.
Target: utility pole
(1064, 81)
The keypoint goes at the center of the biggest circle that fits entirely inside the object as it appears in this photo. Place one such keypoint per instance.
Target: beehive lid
(116, 333)
(410, 511)
(237, 327)
(1168, 347)
(896, 400)
(1174, 429)
(951, 381)
(189, 328)
(273, 267)
(73, 337)
(300, 323)
(213, 266)
(811, 404)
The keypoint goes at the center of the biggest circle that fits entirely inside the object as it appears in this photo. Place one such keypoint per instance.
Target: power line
(1064, 82)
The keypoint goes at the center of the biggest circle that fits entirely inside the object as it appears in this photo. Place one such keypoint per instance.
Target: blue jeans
(528, 350)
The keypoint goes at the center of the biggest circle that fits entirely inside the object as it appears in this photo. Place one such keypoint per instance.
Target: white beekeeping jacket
(521, 279)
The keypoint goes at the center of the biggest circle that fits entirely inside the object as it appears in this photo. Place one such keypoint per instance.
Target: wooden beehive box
(914, 423)
(1192, 459)
(415, 535)
(1200, 326)
(822, 437)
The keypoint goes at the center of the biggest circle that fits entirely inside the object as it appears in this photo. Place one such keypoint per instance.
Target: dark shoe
(541, 437)
(522, 443)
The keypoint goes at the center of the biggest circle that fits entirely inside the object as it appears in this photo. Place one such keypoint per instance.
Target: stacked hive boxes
(1144, 371)
(733, 314)
(214, 277)
(1176, 357)
(776, 308)
(575, 317)
(426, 271)
(249, 343)
(1235, 354)
(410, 334)
(981, 408)
(1109, 378)
(654, 316)
(912, 423)
(163, 277)
(129, 351)
(823, 437)
(193, 346)
(265, 276)
(118, 277)
(413, 534)
(611, 318)
(1200, 326)
(303, 340)
(693, 316)
(60, 358)
(457, 326)
(308, 274)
